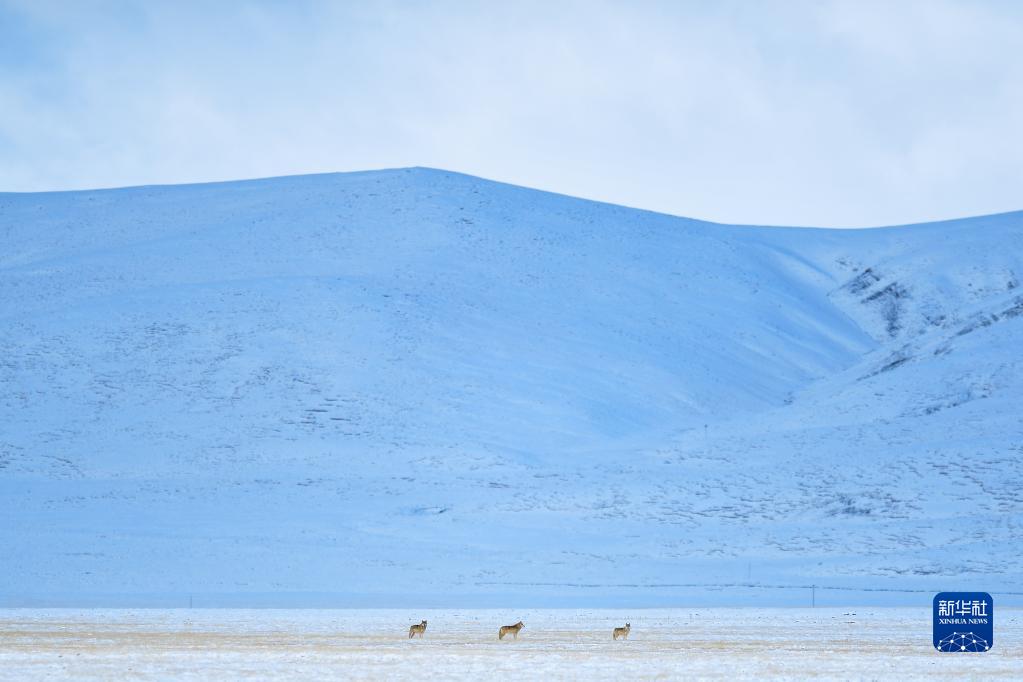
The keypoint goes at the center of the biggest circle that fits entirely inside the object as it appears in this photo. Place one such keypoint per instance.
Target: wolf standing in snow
(513, 629)
(420, 629)
(622, 632)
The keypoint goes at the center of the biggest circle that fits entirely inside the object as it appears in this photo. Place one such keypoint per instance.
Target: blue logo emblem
(964, 622)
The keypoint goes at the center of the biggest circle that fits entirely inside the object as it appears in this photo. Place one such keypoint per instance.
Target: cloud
(775, 113)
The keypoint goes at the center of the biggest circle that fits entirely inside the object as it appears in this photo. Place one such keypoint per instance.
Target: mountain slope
(415, 384)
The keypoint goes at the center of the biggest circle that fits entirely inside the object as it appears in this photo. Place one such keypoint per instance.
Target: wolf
(513, 629)
(622, 632)
(420, 629)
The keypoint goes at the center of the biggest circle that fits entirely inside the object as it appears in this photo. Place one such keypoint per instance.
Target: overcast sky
(802, 113)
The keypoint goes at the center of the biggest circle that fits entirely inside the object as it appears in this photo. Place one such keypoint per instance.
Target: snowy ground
(880, 643)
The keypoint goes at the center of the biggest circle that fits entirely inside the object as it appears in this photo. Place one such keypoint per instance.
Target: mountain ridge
(423, 383)
(476, 178)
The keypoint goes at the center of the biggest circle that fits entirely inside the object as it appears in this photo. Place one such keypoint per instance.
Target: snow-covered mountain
(415, 386)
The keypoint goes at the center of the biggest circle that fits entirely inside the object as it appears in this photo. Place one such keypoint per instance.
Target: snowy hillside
(419, 387)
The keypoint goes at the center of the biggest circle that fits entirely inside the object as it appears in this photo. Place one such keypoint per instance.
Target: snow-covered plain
(415, 387)
(871, 643)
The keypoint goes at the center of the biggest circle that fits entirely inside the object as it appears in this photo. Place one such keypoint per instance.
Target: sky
(820, 113)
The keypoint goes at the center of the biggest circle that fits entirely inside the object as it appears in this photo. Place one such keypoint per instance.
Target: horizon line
(432, 169)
